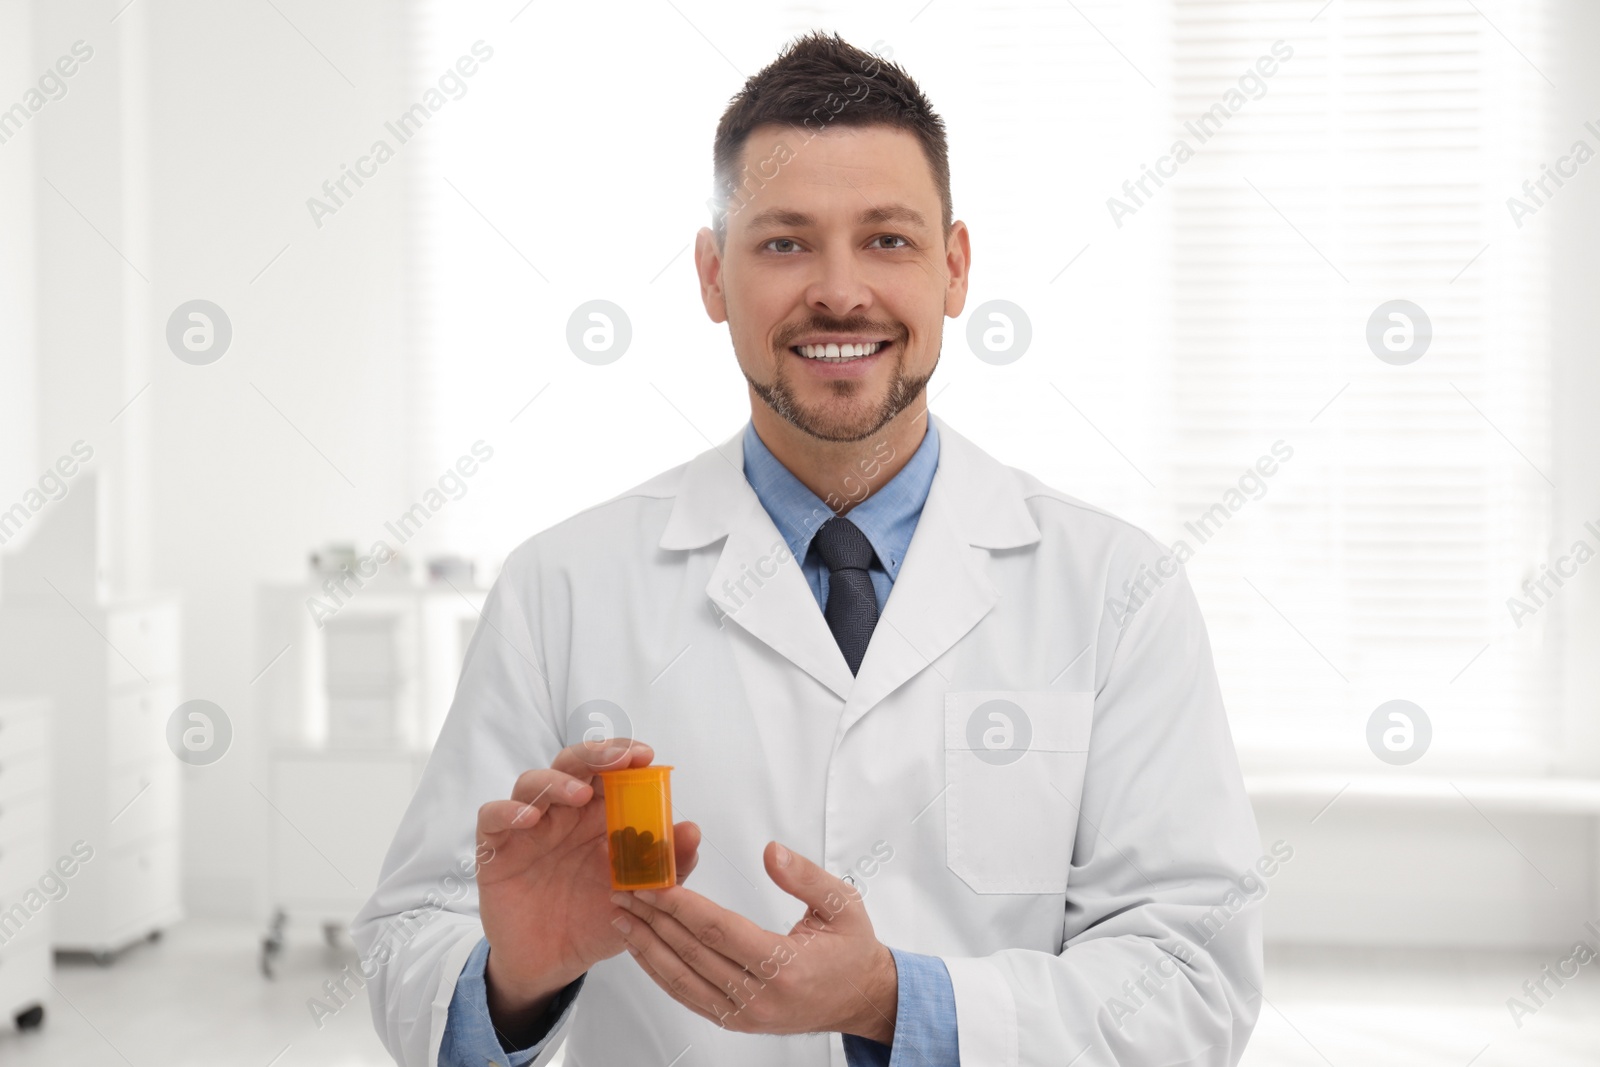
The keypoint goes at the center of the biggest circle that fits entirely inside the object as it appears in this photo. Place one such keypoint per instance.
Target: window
(1374, 167)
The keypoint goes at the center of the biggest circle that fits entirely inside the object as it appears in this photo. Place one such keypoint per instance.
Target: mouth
(835, 352)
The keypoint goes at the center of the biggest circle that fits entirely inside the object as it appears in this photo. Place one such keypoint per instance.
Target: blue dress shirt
(470, 1039)
(888, 517)
(925, 1020)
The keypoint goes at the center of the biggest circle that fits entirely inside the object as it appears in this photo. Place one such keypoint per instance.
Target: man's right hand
(544, 894)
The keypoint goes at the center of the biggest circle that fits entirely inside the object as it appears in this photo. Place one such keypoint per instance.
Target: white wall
(18, 431)
(92, 261)
(252, 120)
(1433, 873)
(1575, 337)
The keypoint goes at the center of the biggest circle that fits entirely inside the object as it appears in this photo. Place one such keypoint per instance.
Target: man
(948, 807)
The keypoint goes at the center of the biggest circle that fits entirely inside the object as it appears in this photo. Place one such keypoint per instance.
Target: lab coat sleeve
(1161, 961)
(421, 924)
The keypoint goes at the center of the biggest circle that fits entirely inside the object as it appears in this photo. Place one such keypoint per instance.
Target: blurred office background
(228, 370)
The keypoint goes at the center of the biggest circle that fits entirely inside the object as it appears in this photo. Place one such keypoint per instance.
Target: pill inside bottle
(639, 827)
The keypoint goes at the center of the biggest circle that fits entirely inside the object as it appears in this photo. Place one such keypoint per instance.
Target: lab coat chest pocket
(1014, 768)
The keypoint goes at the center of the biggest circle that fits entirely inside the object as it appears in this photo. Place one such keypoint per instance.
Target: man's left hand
(828, 973)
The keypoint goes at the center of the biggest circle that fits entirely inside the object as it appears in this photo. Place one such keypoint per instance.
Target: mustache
(858, 324)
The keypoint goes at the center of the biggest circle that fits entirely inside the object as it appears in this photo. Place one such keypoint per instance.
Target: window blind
(1373, 167)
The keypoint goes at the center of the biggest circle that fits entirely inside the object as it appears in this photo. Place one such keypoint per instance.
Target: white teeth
(837, 353)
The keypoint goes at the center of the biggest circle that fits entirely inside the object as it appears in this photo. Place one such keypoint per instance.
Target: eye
(890, 237)
(782, 245)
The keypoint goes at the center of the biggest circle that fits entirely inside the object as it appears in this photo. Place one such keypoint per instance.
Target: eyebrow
(892, 213)
(783, 217)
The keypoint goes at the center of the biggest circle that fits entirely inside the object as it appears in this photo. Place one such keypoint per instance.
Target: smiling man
(947, 806)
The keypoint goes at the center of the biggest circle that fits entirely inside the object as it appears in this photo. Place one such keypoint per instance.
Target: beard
(846, 415)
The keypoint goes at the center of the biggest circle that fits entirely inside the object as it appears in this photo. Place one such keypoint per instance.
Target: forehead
(841, 170)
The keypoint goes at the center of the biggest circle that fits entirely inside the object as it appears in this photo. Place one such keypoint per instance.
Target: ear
(957, 263)
(708, 265)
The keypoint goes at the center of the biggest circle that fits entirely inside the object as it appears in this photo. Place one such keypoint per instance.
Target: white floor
(197, 998)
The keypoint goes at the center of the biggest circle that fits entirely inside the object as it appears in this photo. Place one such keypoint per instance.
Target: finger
(686, 847)
(544, 786)
(585, 758)
(830, 899)
(725, 1021)
(499, 817)
(736, 982)
(683, 982)
(726, 933)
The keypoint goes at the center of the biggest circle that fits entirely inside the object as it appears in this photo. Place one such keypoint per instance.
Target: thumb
(830, 899)
(686, 844)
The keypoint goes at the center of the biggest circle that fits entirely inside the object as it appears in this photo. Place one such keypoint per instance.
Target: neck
(842, 473)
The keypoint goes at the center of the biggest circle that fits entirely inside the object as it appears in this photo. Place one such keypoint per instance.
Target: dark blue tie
(852, 609)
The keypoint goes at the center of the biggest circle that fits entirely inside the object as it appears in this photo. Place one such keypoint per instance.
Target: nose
(838, 289)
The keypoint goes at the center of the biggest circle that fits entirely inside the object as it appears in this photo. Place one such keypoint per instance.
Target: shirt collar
(888, 517)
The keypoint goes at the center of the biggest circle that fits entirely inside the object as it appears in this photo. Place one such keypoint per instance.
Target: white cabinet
(111, 672)
(110, 668)
(378, 674)
(336, 813)
(26, 906)
(352, 703)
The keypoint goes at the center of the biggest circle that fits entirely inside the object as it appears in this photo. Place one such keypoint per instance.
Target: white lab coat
(1066, 891)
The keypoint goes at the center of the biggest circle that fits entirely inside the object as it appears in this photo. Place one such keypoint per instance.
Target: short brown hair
(818, 80)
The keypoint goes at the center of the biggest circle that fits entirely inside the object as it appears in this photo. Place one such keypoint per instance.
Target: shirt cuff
(470, 1039)
(925, 1020)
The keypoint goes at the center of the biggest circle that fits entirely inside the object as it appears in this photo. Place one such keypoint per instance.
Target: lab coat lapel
(756, 583)
(942, 592)
(780, 610)
(943, 589)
